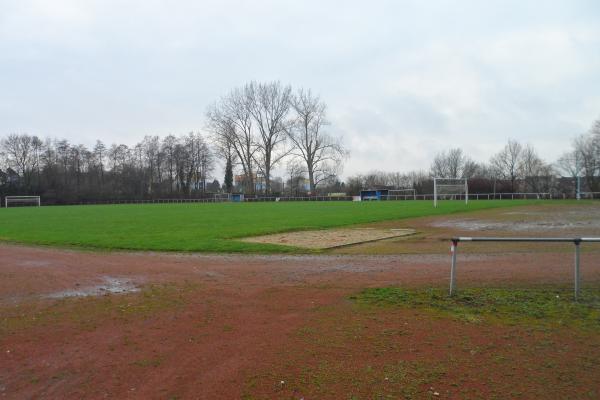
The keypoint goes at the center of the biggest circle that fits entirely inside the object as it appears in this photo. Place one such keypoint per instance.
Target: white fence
(407, 197)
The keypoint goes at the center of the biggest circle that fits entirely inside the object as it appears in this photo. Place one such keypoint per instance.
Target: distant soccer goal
(222, 197)
(22, 201)
(450, 189)
(405, 194)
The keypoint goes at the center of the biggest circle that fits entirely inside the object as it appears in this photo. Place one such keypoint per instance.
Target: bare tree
(37, 147)
(231, 123)
(295, 171)
(453, 164)
(569, 164)
(224, 144)
(19, 151)
(269, 105)
(507, 163)
(150, 150)
(117, 155)
(76, 157)
(99, 157)
(168, 149)
(588, 152)
(322, 154)
(595, 129)
(538, 175)
(400, 180)
(204, 162)
(583, 161)
(181, 160)
(354, 184)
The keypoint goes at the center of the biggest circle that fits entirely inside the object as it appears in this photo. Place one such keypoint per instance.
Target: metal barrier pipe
(453, 249)
(576, 241)
(576, 277)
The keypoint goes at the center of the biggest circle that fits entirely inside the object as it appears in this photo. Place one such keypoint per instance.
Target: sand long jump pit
(329, 238)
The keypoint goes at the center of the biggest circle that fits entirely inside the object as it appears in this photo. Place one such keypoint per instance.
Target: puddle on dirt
(111, 285)
(34, 263)
(576, 219)
(515, 226)
(588, 218)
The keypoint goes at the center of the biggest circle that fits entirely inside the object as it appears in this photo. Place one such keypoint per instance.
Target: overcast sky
(403, 80)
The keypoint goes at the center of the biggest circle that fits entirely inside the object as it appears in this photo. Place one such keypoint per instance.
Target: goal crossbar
(460, 183)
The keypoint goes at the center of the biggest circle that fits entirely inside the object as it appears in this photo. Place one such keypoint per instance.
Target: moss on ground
(550, 307)
(89, 312)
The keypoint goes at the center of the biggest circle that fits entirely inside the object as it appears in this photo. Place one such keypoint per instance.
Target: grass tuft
(538, 307)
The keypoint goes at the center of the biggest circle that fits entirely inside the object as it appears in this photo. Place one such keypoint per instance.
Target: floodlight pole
(466, 192)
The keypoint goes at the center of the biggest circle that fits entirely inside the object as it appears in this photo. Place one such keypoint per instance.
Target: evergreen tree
(228, 176)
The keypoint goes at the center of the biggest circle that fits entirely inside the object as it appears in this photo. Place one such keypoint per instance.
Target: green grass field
(205, 227)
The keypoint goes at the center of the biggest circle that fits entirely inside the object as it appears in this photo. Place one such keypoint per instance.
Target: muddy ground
(432, 233)
(330, 238)
(77, 324)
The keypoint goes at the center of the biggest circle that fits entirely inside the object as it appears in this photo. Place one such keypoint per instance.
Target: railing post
(453, 250)
(577, 254)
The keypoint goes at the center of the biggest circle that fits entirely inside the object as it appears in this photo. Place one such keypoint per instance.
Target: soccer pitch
(206, 227)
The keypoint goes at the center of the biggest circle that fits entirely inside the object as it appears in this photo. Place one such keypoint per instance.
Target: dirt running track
(227, 327)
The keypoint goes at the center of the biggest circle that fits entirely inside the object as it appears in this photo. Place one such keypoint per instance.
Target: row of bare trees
(251, 130)
(516, 167)
(583, 159)
(259, 125)
(63, 171)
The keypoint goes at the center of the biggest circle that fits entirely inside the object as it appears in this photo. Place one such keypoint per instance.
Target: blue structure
(373, 194)
(237, 197)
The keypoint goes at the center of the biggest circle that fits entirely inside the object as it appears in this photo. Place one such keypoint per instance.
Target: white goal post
(457, 187)
(22, 200)
(405, 193)
(222, 197)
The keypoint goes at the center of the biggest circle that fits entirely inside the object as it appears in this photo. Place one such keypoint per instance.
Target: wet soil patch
(111, 285)
(331, 238)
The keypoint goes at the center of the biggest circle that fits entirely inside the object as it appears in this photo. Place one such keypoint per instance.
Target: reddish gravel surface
(226, 327)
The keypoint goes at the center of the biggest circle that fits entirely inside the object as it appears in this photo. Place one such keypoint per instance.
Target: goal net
(222, 197)
(21, 201)
(450, 189)
(402, 194)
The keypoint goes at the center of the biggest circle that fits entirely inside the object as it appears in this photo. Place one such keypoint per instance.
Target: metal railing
(297, 198)
(408, 197)
(576, 241)
(590, 195)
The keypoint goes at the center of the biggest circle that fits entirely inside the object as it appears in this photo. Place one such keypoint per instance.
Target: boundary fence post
(577, 254)
(453, 249)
